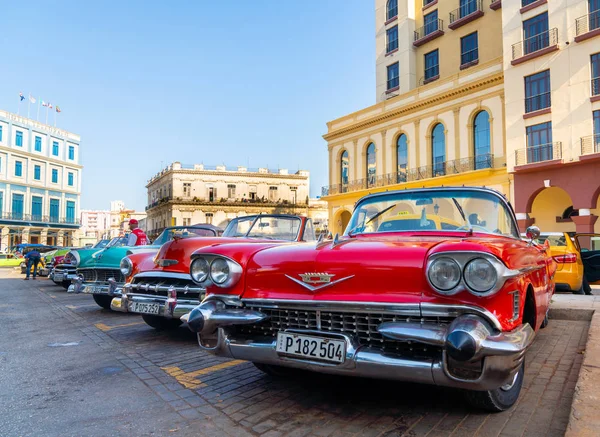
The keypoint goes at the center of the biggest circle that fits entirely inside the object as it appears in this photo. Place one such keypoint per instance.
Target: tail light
(568, 258)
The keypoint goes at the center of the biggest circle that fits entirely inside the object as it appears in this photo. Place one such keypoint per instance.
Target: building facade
(95, 224)
(439, 116)
(192, 194)
(40, 183)
(552, 61)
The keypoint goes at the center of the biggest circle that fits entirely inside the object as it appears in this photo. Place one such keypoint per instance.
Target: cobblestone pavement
(220, 397)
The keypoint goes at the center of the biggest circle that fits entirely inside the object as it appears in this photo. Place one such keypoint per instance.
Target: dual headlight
(126, 266)
(481, 275)
(221, 271)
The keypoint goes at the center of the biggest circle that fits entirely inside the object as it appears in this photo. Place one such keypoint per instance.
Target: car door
(589, 248)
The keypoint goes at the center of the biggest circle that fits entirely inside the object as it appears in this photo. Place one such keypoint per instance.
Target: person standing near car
(33, 258)
(137, 237)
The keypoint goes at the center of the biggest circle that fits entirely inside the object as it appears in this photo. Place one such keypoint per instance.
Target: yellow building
(439, 116)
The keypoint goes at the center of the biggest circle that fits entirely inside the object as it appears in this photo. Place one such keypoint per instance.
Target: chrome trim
(405, 309)
(437, 310)
(109, 290)
(213, 314)
(427, 333)
(319, 287)
(160, 274)
(157, 287)
(228, 299)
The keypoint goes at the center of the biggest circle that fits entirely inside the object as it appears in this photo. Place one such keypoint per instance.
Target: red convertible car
(430, 285)
(160, 287)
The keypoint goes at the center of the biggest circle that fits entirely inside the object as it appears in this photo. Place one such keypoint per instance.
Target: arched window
(401, 158)
(482, 141)
(345, 164)
(438, 147)
(371, 165)
(392, 9)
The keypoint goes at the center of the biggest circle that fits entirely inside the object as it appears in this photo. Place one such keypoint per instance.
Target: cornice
(244, 175)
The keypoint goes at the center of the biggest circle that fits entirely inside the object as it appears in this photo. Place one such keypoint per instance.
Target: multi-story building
(95, 223)
(439, 116)
(192, 194)
(552, 76)
(40, 182)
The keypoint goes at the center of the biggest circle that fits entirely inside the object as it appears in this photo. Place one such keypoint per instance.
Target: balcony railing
(469, 57)
(535, 43)
(596, 86)
(429, 29)
(39, 218)
(541, 153)
(590, 144)
(446, 168)
(587, 23)
(537, 103)
(469, 8)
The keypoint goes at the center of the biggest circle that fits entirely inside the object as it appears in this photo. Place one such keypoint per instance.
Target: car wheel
(277, 371)
(500, 399)
(103, 301)
(161, 323)
(66, 284)
(545, 322)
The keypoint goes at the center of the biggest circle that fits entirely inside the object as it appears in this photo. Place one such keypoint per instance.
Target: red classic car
(160, 287)
(454, 301)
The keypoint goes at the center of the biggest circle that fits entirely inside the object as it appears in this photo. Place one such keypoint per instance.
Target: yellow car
(41, 265)
(9, 260)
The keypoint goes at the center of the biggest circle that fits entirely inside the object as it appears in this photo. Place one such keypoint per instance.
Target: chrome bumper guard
(78, 286)
(468, 339)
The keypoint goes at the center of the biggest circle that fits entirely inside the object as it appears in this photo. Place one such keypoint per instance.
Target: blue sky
(213, 82)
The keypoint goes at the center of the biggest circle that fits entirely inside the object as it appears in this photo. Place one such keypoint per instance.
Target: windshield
(117, 242)
(443, 210)
(239, 227)
(101, 244)
(276, 228)
(183, 232)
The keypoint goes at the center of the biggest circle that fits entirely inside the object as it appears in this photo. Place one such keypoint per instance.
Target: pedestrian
(137, 237)
(33, 258)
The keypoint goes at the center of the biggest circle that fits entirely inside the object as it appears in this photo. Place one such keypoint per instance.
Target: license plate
(316, 348)
(58, 277)
(97, 289)
(145, 308)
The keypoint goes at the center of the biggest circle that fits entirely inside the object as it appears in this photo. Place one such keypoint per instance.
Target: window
(70, 178)
(467, 7)
(55, 148)
(17, 206)
(596, 131)
(595, 67)
(71, 153)
(594, 17)
(231, 191)
(187, 221)
(187, 189)
(0, 133)
(1, 203)
(431, 22)
(18, 168)
(527, 2)
(535, 33)
(54, 176)
(209, 218)
(393, 73)
(392, 9)
(19, 139)
(537, 91)
(54, 210)
(401, 158)
(438, 147)
(70, 212)
(482, 141)
(345, 167)
(392, 39)
(273, 194)
(426, 2)
(294, 191)
(36, 208)
(469, 49)
(432, 67)
(539, 142)
(37, 172)
(371, 165)
(38, 144)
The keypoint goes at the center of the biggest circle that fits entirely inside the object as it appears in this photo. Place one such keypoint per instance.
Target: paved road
(70, 368)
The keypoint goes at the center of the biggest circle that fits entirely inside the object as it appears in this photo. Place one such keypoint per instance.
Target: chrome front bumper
(468, 339)
(113, 288)
(62, 275)
(170, 308)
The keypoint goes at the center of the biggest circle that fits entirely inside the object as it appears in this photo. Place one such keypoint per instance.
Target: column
(4, 243)
(25, 235)
(44, 236)
(584, 224)
(59, 238)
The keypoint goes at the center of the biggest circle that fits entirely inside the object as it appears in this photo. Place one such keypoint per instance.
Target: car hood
(109, 257)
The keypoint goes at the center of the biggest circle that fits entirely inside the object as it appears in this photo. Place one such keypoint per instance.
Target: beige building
(192, 194)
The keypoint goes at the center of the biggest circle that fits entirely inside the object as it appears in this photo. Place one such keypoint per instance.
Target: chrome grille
(362, 326)
(159, 286)
(101, 275)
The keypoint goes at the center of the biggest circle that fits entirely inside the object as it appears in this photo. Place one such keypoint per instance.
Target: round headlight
(444, 274)
(126, 266)
(219, 271)
(480, 275)
(200, 269)
(71, 258)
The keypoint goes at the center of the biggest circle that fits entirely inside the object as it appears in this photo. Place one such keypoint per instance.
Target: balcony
(595, 88)
(537, 105)
(543, 153)
(223, 201)
(495, 5)
(588, 26)
(429, 32)
(465, 14)
(41, 219)
(537, 45)
(590, 145)
(447, 168)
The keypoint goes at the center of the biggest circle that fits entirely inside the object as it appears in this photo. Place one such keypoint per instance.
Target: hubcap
(509, 385)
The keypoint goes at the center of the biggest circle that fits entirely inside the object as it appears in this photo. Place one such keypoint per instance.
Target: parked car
(588, 246)
(9, 260)
(451, 307)
(161, 288)
(99, 273)
(44, 251)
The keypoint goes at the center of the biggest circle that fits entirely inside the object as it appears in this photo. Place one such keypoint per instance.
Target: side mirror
(532, 233)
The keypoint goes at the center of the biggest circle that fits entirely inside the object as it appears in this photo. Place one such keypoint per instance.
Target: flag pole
(37, 117)
(54, 117)
(46, 114)
(28, 104)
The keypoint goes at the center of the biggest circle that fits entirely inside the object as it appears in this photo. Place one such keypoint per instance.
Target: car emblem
(309, 279)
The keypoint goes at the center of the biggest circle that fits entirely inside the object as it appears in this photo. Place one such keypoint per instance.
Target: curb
(574, 314)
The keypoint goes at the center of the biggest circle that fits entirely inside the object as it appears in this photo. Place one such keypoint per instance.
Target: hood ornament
(309, 280)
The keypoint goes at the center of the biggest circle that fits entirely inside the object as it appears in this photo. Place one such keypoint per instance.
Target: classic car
(9, 260)
(99, 272)
(45, 252)
(450, 307)
(161, 289)
(62, 272)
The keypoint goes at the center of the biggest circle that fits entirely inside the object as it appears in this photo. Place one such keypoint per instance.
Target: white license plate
(97, 289)
(307, 346)
(58, 277)
(145, 308)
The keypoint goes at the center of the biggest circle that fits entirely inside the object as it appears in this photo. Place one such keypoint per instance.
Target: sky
(146, 83)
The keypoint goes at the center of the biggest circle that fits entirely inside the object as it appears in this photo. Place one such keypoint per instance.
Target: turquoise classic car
(98, 270)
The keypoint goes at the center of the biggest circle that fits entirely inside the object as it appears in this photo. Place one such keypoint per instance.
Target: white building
(95, 223)
(40, 182)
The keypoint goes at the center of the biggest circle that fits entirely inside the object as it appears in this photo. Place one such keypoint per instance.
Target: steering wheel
(474, 227)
